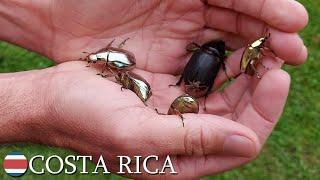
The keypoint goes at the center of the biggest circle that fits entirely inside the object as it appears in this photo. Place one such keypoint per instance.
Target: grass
(291, 152)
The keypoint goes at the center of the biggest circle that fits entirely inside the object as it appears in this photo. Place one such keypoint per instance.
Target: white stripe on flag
(21, 157)
(15, 170)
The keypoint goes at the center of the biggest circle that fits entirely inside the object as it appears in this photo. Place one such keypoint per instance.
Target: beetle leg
(179, 82)
(255, 71)
(123, 43)
(88, 65)
(107, 47)
(264, 66)
(107, 75)
(180, 115)
(102, 70)
(114, 74)
(157, 111)
(193, 47)
(205, 101)
(123, 87)
(86, 58)
(110, 43)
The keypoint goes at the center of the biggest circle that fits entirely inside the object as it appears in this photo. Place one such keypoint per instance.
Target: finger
(267, 104)
(202, 134)
(233, 41)
(286, 15)
(225, 102)
(288, 46)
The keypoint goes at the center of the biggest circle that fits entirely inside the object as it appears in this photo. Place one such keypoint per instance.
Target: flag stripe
(9, 171)
(16, 174)
(15, 153)
(15, 164)
(15, 157)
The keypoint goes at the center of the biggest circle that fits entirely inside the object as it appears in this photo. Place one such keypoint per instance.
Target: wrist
(23, 107)
(24, 24)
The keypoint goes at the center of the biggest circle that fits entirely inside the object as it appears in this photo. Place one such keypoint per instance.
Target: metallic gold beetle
(252, 56)
(115, 58)
(183, 104)
(135, 83)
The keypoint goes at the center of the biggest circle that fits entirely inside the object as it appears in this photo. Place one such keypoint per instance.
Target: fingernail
(236, 145)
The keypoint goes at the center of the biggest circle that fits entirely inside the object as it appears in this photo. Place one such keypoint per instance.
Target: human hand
(69, 106)
(159, 30)
(245, 101)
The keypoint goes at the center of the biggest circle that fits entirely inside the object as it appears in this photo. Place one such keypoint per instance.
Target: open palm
(237, 121)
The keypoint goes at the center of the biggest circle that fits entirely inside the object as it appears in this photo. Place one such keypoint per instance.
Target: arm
(22, 106)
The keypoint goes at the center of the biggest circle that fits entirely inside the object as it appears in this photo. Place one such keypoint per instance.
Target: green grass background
(292, 151)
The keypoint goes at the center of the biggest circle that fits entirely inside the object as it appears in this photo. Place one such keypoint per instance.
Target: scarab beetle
(115, 58)
(203, 67)
(252, 56)
(182, 105)
(135, 83)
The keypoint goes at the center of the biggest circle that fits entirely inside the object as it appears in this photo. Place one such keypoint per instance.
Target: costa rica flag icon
(15, 164)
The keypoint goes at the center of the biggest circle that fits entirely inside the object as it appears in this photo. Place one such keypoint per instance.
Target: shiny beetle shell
(184, 104)
(201, 70)
(135, 83)
(252, 56)
(115, 58)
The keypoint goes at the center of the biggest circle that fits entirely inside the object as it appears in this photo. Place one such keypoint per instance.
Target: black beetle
(203, 67)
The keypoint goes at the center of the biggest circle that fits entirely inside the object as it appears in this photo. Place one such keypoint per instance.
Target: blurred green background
(291, 152)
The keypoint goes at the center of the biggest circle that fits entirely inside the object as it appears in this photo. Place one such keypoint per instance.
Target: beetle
(115, 58)
(135, 83)
(203, 67)
(253, 55)
(182, 105)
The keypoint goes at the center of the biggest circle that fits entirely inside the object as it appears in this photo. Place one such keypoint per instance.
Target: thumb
(203, 134)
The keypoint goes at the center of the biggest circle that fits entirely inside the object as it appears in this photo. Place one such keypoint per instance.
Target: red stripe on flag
(15, 164)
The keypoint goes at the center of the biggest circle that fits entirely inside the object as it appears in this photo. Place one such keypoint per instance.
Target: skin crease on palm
(114, 122)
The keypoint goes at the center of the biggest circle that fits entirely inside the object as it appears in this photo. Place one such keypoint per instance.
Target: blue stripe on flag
(15, 174)
(15, 153)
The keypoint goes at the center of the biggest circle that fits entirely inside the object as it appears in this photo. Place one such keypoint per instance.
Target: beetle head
(214, 46)
(265, 38)
(195, 89)
(91, 58)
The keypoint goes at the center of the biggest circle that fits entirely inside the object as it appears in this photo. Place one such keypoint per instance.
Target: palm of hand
(160, 31)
